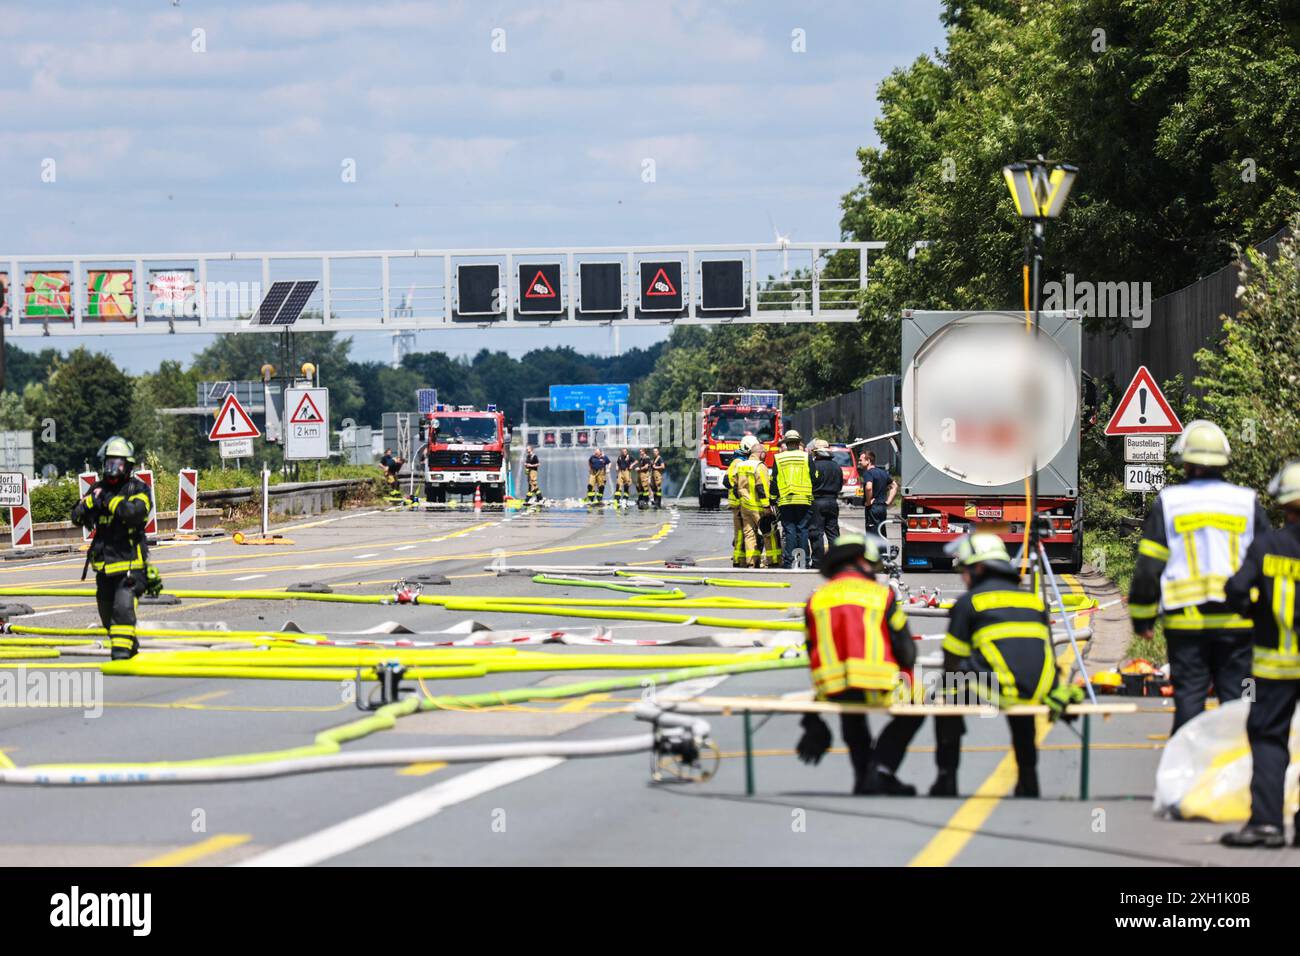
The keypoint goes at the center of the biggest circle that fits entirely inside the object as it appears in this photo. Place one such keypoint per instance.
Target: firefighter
(751, 483)
(999, 643)
(623, 478)
(1264, 588)
(531, 466)
(391, 466)
(792, 492)
(599, 466)
(1193, 541)
(643, 466)
(741, 455)
(860, 650)
(827, 483)
(657, 467)
(117, 508)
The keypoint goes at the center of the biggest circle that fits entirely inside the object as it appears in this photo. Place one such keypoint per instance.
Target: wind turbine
(783, 243)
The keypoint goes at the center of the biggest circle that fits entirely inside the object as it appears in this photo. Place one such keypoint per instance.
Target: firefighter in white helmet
(1264, 588)
(1194, 539)
(740, 556)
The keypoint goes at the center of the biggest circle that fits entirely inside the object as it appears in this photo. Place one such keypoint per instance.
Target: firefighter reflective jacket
(996, 628)
(1195, 537)
(118, 520)
(792, 479)
(1265, 589)
(749, 484)
(857, 637)
(729, 482)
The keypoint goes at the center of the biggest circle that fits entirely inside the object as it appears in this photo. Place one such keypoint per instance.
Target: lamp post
(1039, 188)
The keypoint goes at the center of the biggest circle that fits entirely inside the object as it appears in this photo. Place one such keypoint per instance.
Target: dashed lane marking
(422, 769)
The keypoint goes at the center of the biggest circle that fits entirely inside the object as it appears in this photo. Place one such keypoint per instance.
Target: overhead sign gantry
(419, 289)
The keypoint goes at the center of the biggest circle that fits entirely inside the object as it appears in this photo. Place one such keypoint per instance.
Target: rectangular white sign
(1141, 477)
(306, 423)
(237, 448)
(1144, 448)
(11, 489)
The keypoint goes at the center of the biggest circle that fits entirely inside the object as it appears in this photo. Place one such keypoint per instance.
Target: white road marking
(368, 554)
(400, 813)
(405, 547)
(407, 811)
(28, 617)
(250, 577)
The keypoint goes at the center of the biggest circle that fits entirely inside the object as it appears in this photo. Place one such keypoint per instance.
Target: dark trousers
(876, 513)
(1196, 659)
(1269, 729)
(948, 732)
(115, 597)
(889, 749)
(825, 520)
(795, 522)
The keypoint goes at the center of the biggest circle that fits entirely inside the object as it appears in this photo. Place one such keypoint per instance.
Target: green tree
(88, 398)
(1252, 380)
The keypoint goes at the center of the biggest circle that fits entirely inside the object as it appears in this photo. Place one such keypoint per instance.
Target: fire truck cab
(463, 448)
(726, 418)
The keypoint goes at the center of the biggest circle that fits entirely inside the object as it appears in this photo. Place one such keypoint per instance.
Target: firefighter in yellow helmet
(1193, 541)
(998, 649)
(1264, 589)
(792, 493)
(117, 508)
(739, 559)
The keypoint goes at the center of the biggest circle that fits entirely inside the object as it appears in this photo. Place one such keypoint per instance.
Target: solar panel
(271, 304)
(295, 303)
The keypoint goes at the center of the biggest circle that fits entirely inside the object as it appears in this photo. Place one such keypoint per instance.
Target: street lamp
(1039, 188)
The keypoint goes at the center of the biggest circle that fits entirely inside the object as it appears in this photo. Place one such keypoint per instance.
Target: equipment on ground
(726, 419)
(980, 401)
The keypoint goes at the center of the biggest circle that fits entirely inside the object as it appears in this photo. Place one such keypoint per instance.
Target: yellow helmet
(982, 547)
(1202, 443)
(1285, 486)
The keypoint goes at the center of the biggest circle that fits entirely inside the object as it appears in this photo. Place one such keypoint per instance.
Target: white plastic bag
(1204, 772)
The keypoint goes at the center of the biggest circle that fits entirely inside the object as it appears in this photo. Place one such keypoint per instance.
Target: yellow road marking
(5, 762)
(422, 769)
(974, 811)
(580, 704)
(200, 698)
(188, 854)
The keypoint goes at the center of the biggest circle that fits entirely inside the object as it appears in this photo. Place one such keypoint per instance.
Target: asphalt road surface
(547, 811)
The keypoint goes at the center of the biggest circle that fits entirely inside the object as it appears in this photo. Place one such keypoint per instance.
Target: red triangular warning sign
(306, 413)
(1143, 410)
(660, 285)
(539, 288)
(232, 422)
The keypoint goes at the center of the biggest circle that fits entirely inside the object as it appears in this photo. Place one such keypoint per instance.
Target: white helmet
(1285, 486)
(1202, 443)
(747, 443)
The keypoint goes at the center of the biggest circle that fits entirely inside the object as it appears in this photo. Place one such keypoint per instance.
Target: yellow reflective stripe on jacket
(1143, 611)
(1190, 621)
(1284, 615)
(119, 567)
(898, 620)
(955, 645)
(141, 497)
(114, 502)
(993, 600)
(1195, 589)
(732, 497)
(793, 478)
(869, 672)
(1153, 549)
(88, 501)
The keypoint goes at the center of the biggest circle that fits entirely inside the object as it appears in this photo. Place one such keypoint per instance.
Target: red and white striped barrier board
(187, 499)
(151, 525)
(85, 481)
(20, 520)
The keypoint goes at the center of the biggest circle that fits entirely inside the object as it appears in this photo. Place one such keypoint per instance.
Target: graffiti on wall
(48, 295)
(110, 295)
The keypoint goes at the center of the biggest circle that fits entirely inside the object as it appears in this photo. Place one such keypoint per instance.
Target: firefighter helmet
(982, 547)
(747, 443)
(1285, 486)
(849, 547)
(116, 456)
(1203, 443)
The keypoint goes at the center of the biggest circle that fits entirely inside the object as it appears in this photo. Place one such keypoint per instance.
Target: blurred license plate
(994, 527)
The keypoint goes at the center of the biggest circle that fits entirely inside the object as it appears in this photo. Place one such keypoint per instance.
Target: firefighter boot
(881, 782)
(122, 640)
(1027, 785)
(945, 784)
(1255, 834)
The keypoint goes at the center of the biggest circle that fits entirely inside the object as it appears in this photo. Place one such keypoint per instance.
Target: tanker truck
(982, 400)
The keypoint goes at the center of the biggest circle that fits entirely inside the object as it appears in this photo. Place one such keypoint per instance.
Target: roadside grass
(1115, 555)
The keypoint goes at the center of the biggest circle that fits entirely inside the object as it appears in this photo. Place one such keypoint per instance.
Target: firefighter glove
(816, 739)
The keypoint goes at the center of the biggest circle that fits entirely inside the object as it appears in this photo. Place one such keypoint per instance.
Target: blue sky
(241, 146)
